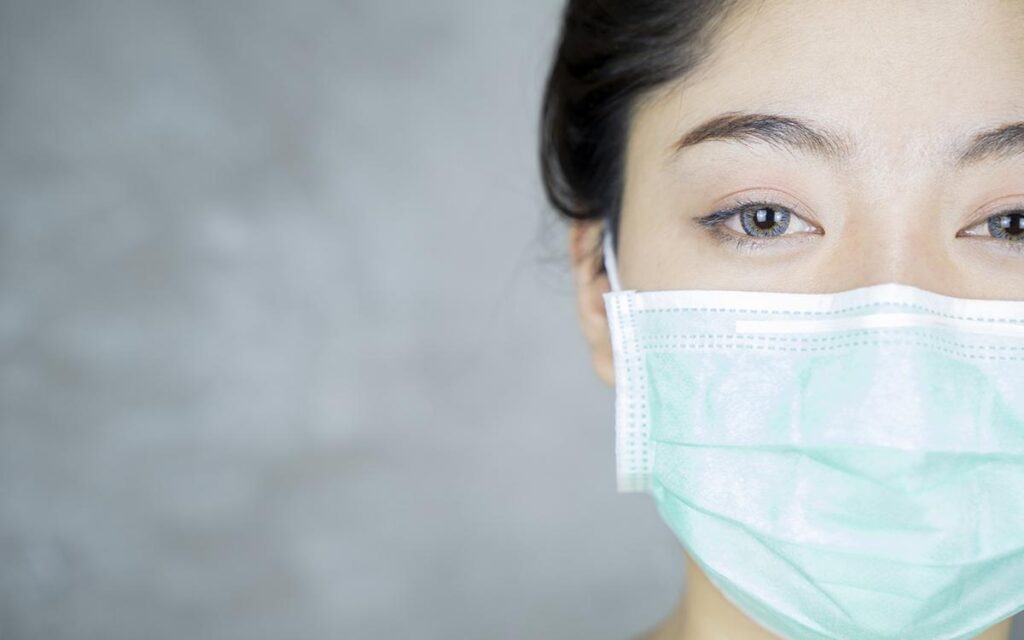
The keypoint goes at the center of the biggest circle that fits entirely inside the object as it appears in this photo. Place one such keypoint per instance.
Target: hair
(610, 56)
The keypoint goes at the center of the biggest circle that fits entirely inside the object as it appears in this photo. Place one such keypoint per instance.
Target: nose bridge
(896, 236)
(896, 219)
(875, 260)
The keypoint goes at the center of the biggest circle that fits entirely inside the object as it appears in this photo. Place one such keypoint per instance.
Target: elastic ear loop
(610, 265)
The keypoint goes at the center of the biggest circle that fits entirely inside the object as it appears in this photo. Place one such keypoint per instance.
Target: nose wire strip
(880, 321)
(610, 265)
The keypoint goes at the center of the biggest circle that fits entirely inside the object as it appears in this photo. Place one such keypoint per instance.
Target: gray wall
(288, 343)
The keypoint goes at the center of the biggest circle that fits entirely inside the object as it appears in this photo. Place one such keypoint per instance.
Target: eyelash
(713, 223)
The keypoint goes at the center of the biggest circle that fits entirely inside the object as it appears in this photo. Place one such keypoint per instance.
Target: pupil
(1012, 223)
(764, 219)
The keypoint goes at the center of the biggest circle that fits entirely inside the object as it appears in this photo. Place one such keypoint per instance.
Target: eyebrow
(794, 134)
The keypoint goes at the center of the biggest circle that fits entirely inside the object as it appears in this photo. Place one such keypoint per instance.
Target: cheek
(986, 274)
(681, 258)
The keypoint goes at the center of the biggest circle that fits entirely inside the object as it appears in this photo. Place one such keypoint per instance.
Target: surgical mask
(843, 465)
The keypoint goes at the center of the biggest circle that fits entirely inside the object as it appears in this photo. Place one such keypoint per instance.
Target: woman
(865, 158)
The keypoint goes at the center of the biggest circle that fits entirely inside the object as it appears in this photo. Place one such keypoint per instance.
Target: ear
(591, 282)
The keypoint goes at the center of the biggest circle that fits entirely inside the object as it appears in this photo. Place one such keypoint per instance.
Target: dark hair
(610, 55)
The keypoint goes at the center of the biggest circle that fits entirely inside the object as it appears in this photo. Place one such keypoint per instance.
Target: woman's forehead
(920, 77)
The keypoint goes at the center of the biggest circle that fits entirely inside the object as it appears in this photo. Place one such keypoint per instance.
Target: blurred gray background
(289, 348)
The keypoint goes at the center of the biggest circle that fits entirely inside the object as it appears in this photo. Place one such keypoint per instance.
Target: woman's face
(893, 179)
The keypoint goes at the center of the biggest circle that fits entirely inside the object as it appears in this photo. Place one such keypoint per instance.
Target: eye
(1008, 225)
(756, 219)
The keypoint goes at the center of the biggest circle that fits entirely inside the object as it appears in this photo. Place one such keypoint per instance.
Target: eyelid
(716, 219)
(795, 219)
(983, 220)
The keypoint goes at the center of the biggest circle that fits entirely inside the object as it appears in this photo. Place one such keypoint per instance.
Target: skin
(906, 80)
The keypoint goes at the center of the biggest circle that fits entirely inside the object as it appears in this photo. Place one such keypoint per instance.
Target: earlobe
(604, 366)
(591, 283)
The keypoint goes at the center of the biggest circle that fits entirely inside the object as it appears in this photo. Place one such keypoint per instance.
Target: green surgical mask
(842, 466)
